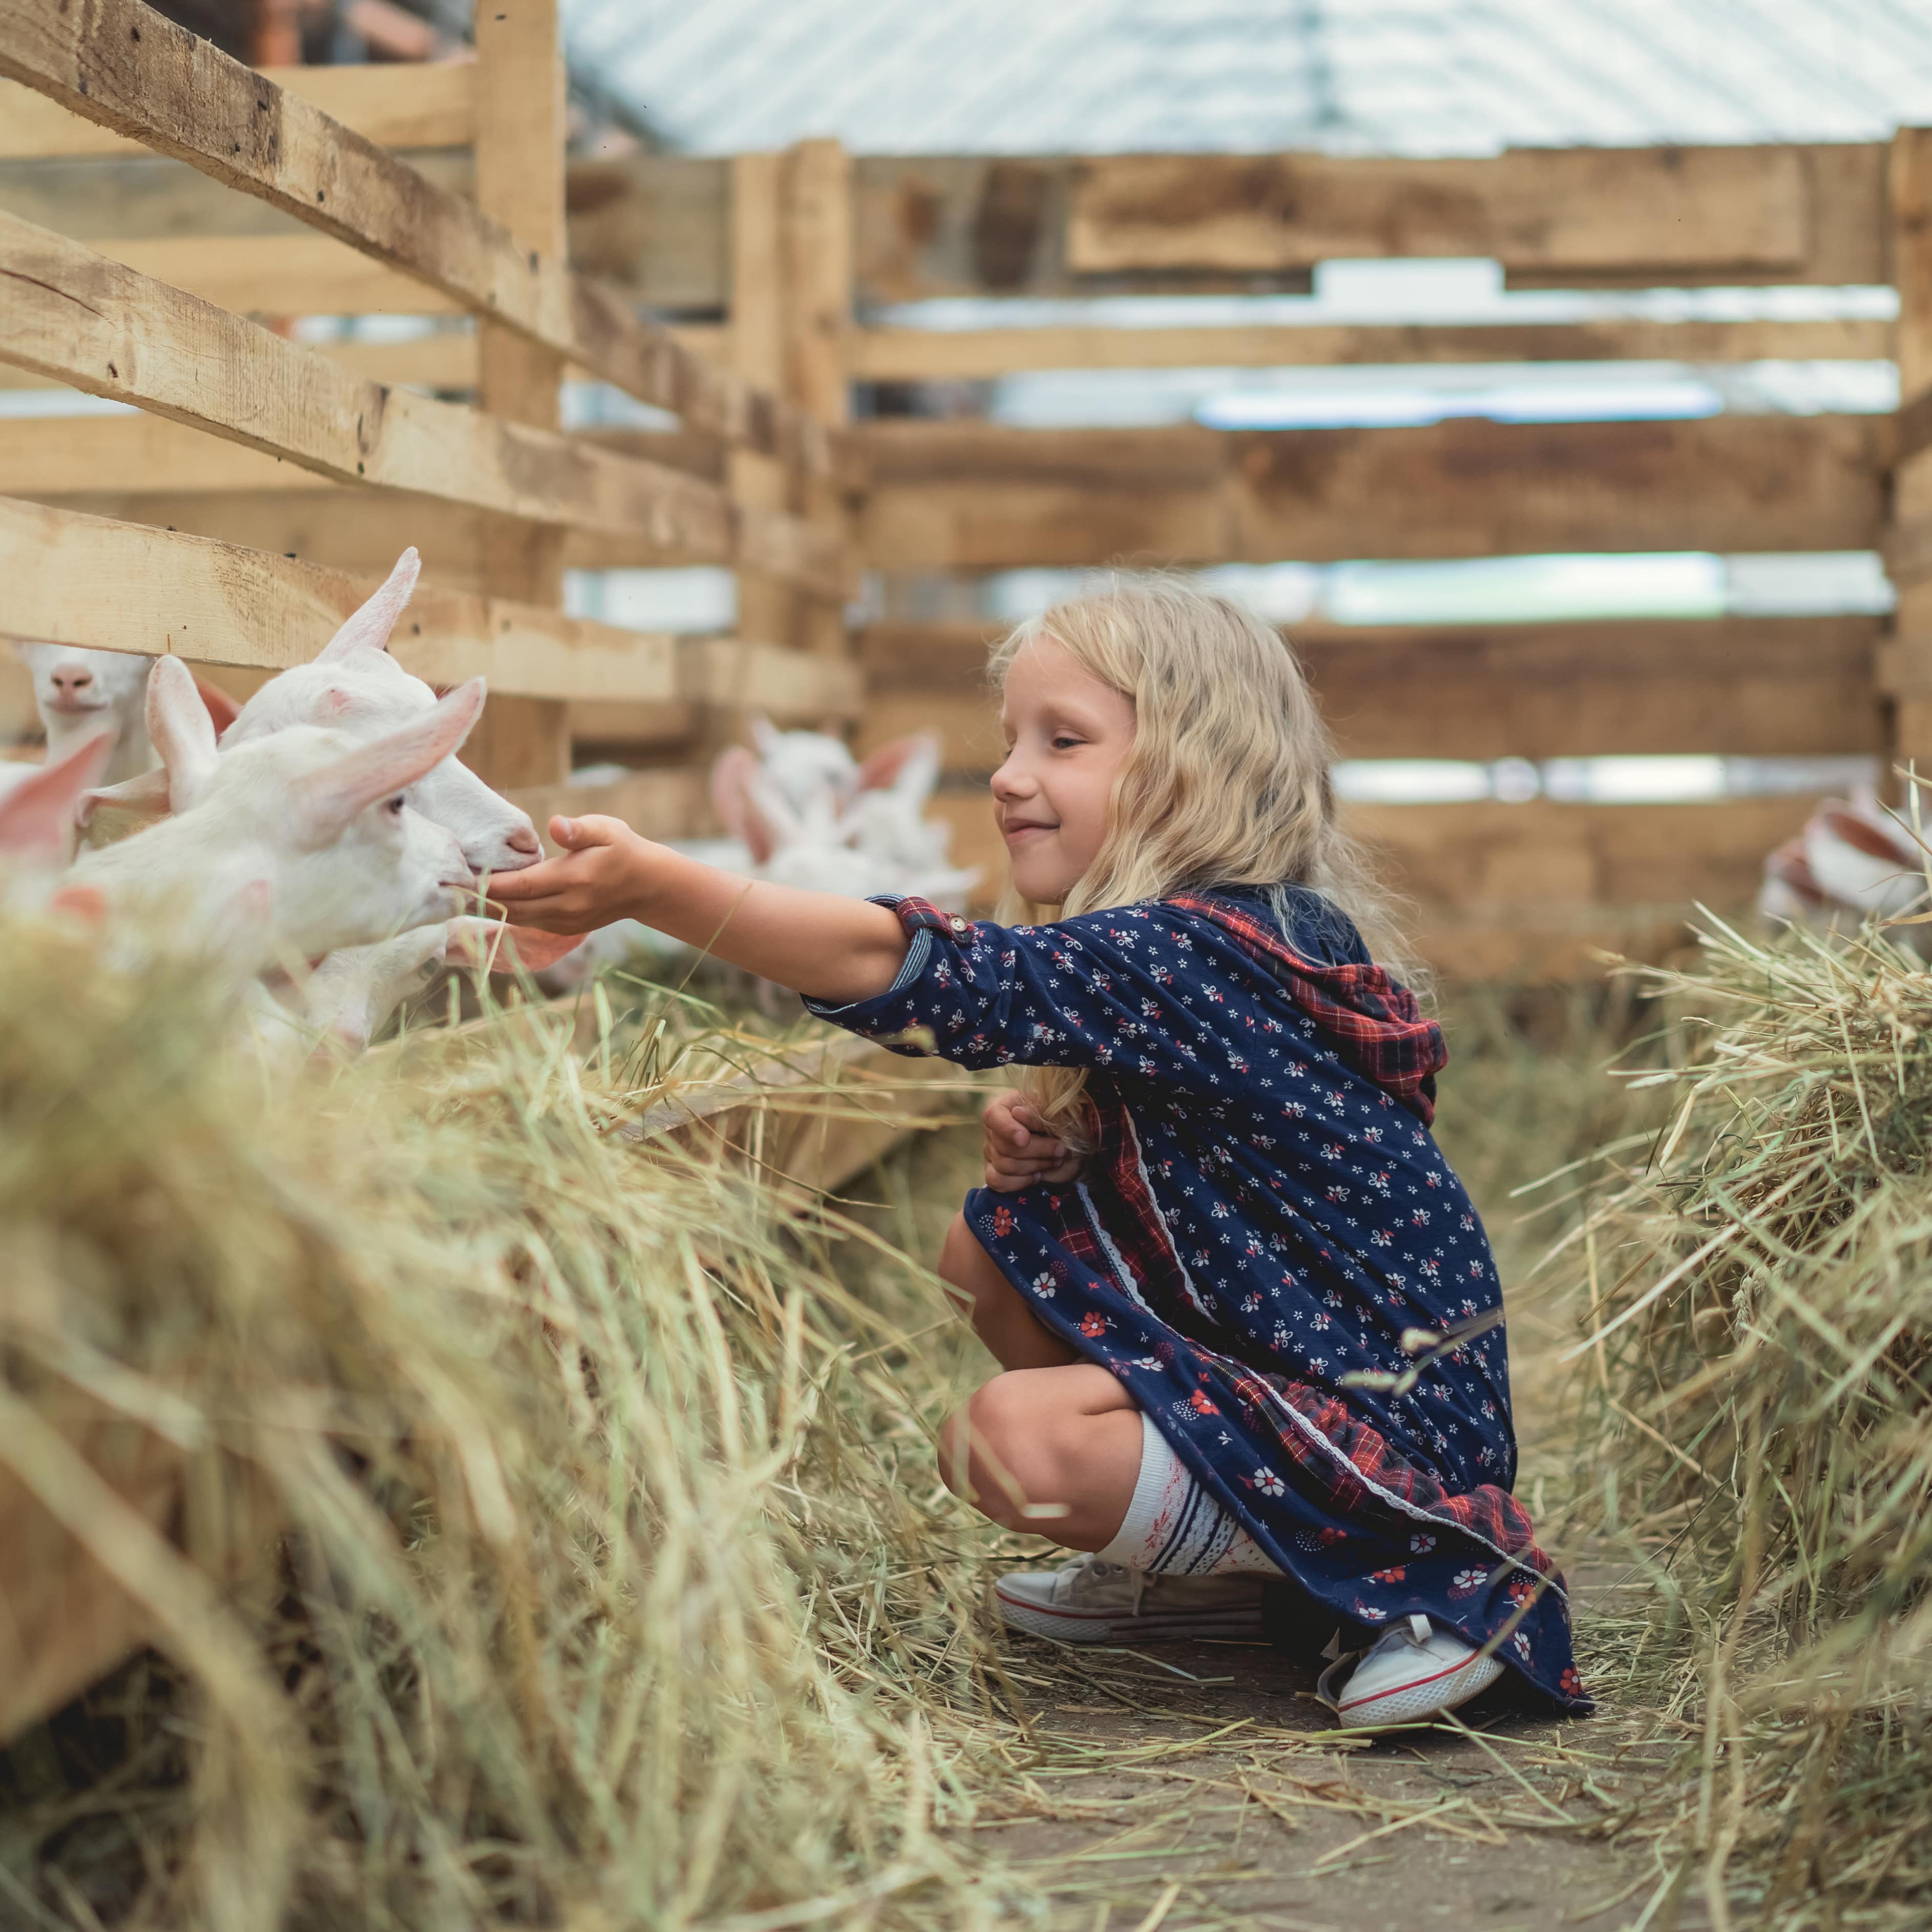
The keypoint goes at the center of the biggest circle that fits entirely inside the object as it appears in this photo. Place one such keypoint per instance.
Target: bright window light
(699, 598)
(59, 403)
(1634, 781)
(1384, 408)
(1526, 589)
(1410, 781)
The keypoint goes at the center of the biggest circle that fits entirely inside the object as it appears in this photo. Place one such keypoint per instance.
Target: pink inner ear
(731, 775)
(221, 708)
(879, 769)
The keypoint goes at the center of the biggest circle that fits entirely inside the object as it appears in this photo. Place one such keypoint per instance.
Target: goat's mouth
(76, 707)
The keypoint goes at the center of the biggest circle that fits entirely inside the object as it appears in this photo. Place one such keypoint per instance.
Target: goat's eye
(396, 805)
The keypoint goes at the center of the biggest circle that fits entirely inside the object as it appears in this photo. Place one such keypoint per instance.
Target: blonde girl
(1247, 1319)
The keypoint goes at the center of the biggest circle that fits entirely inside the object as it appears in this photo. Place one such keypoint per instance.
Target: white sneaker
(1088, 1601)
(1414, 1669)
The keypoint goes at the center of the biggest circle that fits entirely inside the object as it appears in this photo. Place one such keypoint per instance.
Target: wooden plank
(914, 355)
(67, 313)
(81, 579)
(974, 496)
(420, 104)
(120, 63)
(522, 129)
(817, 318)
(277, 274)
(734, 674)
(674, 804)
(153, 197)
(1667, 210)
(767, 606)
(354, 529)
(63, 1621)
(1741, 687)
(1908, 544)
(1909, 179)
(817, 1116)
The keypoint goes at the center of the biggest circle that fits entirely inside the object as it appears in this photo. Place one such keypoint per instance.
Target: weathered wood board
(1764, 687)
(975, 496)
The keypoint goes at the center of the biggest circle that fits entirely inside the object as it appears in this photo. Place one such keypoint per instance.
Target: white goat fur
(353, 685)
(78, 692)
(298, 844)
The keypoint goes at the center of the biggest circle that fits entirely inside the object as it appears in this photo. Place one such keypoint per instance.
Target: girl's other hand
(1021, 1150)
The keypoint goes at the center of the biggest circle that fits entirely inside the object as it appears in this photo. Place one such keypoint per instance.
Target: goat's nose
(525, 839)
(72, 680)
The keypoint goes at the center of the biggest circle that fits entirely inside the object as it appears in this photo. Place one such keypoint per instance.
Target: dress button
(958, 924)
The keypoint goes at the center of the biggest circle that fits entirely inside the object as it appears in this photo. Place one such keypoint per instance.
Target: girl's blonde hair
(1227, 781)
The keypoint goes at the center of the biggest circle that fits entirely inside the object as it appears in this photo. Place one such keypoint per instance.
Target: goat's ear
(911, 762)
(369, 629)
(770, 820)
(221, 708)
(145, 797)
(36, 818)
(325, 801)
(765, 735)
(180, 730)
(731, 771)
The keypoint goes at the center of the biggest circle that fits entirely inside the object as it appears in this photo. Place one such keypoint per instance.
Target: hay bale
(529, 1529)
(1758, 1367)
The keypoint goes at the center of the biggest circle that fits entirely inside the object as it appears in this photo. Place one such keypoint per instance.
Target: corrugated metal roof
(1406, 77)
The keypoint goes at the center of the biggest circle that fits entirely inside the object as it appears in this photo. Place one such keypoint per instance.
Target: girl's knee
(1022, 1438)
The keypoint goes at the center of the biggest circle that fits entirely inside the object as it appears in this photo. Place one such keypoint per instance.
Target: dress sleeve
(1145, 989)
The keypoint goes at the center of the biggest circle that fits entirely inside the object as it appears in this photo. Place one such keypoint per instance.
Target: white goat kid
(353, 685)
(298, 844)
(78, 693)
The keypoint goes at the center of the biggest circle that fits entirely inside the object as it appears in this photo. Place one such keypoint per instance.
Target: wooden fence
(128, 273)
(242, 513)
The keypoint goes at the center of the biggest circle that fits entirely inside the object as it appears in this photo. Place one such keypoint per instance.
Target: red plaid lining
(1378, 1029)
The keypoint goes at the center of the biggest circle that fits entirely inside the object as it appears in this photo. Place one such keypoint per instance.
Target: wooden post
(520, 133)
(791, 310)
(767, 612)
(818, 265)
(1908, 661)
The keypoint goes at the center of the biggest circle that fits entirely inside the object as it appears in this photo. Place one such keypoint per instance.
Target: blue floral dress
(1264, 1220)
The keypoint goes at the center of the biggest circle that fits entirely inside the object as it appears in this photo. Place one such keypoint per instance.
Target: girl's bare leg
(1062, 1442)
(988, 1300)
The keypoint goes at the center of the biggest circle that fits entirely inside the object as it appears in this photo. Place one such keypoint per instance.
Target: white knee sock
(1174, 1526)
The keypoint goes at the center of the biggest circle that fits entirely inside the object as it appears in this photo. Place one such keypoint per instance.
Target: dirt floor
(1225, 1797)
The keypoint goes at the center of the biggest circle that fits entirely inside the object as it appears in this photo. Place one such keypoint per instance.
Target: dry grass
(560, 1541)
(1756, 1293)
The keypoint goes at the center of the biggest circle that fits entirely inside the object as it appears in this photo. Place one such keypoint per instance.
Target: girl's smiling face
(1067, 735)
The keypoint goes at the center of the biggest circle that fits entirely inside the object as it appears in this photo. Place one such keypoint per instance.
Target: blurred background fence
(1589, 476)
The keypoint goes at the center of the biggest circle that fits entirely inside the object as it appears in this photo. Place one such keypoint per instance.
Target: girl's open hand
(601, 875)
(1021, 1150)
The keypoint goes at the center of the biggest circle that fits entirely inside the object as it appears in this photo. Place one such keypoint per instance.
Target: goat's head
(356, 686)
(317, 824)
(72, 687)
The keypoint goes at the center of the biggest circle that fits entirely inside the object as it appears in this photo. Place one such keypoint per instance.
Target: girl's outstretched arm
(828, 948)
